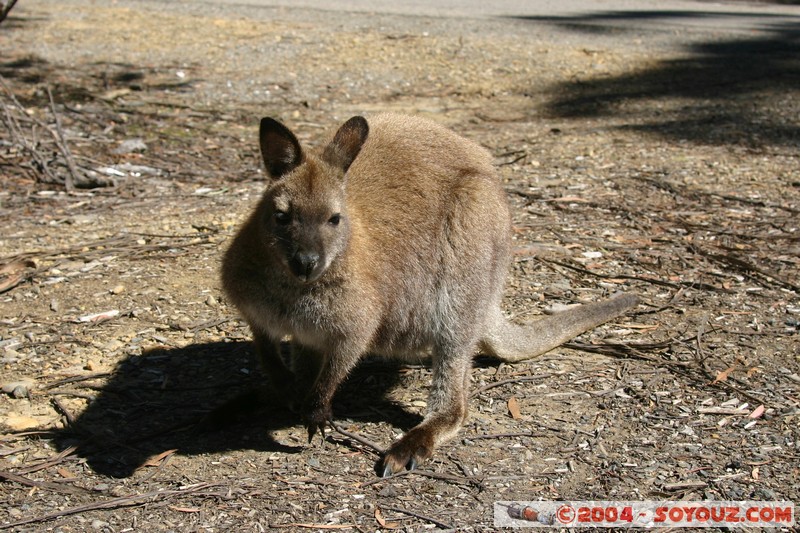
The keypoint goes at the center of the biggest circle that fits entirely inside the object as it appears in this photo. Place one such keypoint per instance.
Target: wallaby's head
(303, 214)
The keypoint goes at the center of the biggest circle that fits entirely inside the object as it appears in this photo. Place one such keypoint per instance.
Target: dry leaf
(758, 411)
(723, 374)
(754, 370)
(572, 199)
(66, 474)
(185, 509)
(379, 517)
(11, 274)
(755, 473)
(320, 526)
(156, 461)
(382, 521)
(513, 408)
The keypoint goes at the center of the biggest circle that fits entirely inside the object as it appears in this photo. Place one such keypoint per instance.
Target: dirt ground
(128, 156)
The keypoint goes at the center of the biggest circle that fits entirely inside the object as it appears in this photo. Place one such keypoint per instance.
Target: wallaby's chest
(314, 316)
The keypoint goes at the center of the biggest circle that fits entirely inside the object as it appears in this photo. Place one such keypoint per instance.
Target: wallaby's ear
(347, 142)
(280, 149)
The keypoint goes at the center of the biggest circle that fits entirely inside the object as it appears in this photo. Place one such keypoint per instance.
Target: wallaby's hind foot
(411, 450)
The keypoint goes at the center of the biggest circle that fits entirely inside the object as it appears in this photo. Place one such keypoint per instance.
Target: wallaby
(393, 240)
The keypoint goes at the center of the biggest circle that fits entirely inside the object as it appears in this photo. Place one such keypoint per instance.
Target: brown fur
(395, 240)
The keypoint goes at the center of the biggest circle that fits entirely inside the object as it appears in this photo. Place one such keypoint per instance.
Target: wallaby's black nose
(303, 264)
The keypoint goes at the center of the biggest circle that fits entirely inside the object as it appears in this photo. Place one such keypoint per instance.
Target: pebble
(19, 388)
(389, 492)
(18, 422)
(119, 289)
(129, 146)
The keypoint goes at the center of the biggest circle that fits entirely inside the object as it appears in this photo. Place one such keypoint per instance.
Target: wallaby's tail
(511, 342)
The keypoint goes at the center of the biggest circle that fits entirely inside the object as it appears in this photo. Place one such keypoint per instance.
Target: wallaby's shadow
(206, 398)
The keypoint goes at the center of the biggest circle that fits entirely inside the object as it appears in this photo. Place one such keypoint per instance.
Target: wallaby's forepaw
(316, 420)
(413, 449)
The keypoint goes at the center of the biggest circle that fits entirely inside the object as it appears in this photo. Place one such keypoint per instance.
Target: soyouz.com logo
(644, 514)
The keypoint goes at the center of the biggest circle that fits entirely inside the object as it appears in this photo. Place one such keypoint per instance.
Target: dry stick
(628, 350)
(758, 203)
(513, 380)
(504, 435)
(48, 485)
(358, 438)
(459, 480)
(58, 138)
(107, 246)
(654, 281)
(58, 459)
(430, 519)
(20, 140)
(61, 142)
(315, 526)
(64, 411)
(6, 10)
(76, 379)
(115, 503)
(737, 262)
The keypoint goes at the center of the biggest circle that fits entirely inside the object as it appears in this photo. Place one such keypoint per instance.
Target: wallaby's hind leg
(447, 409)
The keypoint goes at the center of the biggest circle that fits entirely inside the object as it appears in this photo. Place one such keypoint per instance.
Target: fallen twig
(504, 435)
(522, 379)
(61, 141)
(747, 268)
(654, 281)
(47, 485)
(6, 9)
(60, 407)
(57, 459)
(430, 519)
(114, 503)
(358, 438)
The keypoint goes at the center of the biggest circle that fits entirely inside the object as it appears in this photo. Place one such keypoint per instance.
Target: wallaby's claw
(392, 466)
(317, 419)
(408, 453)
(312, 431)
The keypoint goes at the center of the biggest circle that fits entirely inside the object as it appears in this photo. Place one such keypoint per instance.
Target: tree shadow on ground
(204, 398)
(736, 90)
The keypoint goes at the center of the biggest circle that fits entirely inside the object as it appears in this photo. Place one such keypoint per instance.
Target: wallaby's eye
(335, 219)
(282, 218)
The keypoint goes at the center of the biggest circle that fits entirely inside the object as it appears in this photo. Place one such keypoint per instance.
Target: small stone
(113, 345)
(17, 422)
(19, 388)
(211, 301)
(130, 146)
(99, 524)
(388, 492)
(119, 289)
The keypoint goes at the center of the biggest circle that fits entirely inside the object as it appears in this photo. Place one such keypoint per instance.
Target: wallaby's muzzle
(307, 266)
